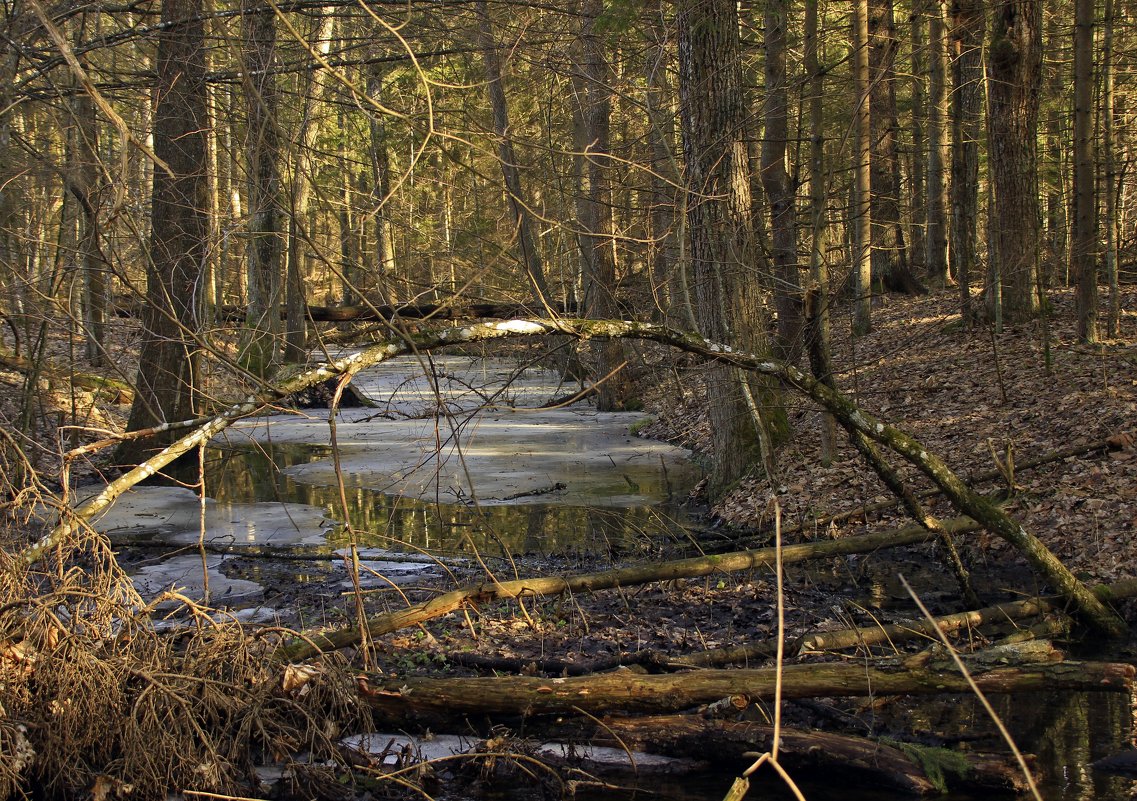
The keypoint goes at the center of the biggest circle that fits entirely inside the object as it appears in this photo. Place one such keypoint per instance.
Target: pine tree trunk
(939, 150)
(1084, 239)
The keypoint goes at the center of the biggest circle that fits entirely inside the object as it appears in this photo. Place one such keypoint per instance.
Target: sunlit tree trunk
(167, 383)
(1084, 238)
(862, 196)
(526, 239)
(381, 203)
(1014, 71)
(939, 149)
(921, 57)
(663, 240)
(303, 180)
(719, 215)
(86, 185)
(260, 341)
(1109, 154)
(778, 187)
(968, 27)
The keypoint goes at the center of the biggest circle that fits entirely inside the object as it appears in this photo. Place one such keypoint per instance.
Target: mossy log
(402, 697)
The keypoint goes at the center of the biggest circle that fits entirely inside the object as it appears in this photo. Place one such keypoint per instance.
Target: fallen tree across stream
(858, 424)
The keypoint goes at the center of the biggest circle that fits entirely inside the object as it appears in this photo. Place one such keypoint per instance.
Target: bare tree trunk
(1014, 64)
(594, 204)
(260, 339)
(778, 187)
(719, 214)
(968, 25)
(663, 244)
(168, 363)
(527, 241)
(921, 57)
(86, 185)
(890, 264)
(816, 305)
(385, 265)
(1084, 239)
(939, 149)
(303, 179)
(1112, 188)
(862, 198)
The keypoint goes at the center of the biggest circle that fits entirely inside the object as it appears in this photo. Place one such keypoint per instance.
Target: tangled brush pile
(95, 700)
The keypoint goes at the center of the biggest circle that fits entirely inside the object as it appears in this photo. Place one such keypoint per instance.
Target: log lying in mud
(807, 752)
(625, 577)
(625, 690)
(110, 390)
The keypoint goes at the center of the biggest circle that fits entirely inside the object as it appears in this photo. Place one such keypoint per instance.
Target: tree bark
(968, 27)
(802, 752)
(168, 362)
(260, 339)
(788, 344)
(862, 165)
(529, 256)
(1014, 71)
(303, 180)
(890, 265)
(719, 215)
(1084, 240)
(939, 149)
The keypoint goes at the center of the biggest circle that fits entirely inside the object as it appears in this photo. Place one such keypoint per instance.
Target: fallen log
(404, 697)
(804, 752)
(624, 577)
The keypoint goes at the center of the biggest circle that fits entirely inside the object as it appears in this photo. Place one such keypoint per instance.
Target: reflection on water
(255, 473)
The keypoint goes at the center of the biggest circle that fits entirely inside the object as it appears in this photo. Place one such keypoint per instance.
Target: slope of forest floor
(968, 396)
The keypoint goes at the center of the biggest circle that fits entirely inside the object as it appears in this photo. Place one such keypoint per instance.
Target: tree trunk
(862, 196)
(530, 258)
(1084, 239)
(889, 252)
(1112, 187)
(779, 189)
(260, 339)
(386, 285)
(594, 203)
(968, 26)
(939, 149)
(167, 375)
(303, 180)
(624, 690)
(1014, 71)
(816, 305)
(719, 217)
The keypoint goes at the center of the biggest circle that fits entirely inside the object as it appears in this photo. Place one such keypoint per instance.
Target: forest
(468, 398)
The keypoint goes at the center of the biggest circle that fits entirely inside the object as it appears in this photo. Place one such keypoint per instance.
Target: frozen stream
(457, 454)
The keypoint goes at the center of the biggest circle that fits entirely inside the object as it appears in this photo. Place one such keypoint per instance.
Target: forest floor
(971, 397)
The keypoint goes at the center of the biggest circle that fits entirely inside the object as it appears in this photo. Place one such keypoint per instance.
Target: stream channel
(456, 454)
